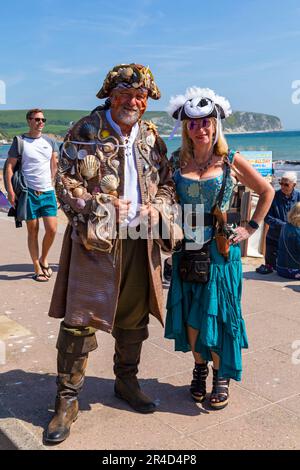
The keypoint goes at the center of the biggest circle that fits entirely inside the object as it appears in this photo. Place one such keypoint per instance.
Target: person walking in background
(285, 198)
(288, 261)
(204, 301)
(38, 160)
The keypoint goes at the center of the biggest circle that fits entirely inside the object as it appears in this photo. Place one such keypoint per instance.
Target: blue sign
(261, 161)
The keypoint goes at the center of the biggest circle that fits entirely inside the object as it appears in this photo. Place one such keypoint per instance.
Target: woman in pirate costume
(204, 302)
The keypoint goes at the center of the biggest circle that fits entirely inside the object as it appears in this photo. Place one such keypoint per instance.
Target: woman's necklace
(201, 167)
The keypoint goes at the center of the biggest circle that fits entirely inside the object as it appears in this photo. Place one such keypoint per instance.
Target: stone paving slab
(266, 429)
(10, 329)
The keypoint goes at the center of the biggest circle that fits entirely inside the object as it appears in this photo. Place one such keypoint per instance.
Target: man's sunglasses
(39, 119)
(284, 184)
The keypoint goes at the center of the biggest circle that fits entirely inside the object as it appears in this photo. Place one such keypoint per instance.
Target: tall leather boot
(73, 347)
(128, 347)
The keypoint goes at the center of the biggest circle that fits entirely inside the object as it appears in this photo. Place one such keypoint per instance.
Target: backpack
(18, 184)
(20, 145)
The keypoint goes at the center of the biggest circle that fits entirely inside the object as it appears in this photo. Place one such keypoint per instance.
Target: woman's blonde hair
(186, 152)
(294, 215)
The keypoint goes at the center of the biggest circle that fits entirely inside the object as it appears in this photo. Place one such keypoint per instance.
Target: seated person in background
(288, 261)
(285, 198)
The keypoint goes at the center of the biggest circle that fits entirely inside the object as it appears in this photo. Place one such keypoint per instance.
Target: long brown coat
(87, 285)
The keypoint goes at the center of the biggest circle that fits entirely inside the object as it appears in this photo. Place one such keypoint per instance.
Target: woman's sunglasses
(195, 124)
(39, 119)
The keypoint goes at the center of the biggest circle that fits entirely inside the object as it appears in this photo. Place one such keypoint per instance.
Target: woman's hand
(241, 233)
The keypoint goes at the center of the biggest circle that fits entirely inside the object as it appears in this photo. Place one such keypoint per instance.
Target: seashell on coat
(87, 131)
(115, 164)
(109, 183)
(78, 192)
(71, 183)
(89, 167)
(108, 147)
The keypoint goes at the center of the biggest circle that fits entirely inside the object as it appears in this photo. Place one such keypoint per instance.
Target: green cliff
(58, 121)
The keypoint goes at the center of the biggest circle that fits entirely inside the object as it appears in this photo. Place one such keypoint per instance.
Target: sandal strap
(198, 384)
(220, 388)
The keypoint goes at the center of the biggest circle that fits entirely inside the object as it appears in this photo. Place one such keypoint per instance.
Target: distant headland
(58, 121)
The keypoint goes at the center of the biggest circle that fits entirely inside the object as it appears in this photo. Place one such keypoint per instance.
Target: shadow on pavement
(294, 288)
(30, 396)
(20, 268)
(273, 277)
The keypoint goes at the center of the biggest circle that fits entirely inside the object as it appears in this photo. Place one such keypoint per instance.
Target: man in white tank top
(39, 164)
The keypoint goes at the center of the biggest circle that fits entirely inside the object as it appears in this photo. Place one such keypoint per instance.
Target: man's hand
(12, 198)
(122, 209)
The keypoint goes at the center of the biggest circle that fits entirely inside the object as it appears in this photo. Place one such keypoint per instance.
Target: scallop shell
(89, 167)
(109, 183)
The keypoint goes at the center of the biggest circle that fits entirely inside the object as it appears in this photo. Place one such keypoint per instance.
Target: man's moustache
(131, 109)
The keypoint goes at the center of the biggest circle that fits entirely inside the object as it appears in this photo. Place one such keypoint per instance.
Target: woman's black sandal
(220, 392)
(198, 384)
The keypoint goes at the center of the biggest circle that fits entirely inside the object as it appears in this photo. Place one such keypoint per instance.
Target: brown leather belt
(38, 193)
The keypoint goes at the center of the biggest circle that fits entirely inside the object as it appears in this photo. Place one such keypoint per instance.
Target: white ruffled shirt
(131, 184)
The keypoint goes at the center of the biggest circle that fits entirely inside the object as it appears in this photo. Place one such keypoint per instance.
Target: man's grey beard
(129, 118)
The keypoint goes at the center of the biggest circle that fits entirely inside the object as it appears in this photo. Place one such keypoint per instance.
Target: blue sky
(55, 54)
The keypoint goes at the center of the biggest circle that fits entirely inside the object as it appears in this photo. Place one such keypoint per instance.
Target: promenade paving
(264, 409)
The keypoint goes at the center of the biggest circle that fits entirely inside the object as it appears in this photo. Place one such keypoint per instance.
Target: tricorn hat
(197, 103)
(129, 76)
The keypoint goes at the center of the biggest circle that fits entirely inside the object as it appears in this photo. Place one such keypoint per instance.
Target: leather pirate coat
(90, 175)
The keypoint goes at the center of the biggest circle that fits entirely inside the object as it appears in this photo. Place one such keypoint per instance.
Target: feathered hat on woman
(199, 103)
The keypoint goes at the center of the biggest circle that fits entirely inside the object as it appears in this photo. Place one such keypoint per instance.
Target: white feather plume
(193, 92)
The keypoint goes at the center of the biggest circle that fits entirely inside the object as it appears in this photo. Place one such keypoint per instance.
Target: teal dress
(213, 308)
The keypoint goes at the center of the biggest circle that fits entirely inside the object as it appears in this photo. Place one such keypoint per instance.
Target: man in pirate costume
(111, 163)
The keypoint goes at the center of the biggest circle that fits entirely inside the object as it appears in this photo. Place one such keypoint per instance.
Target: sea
(285, 147)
